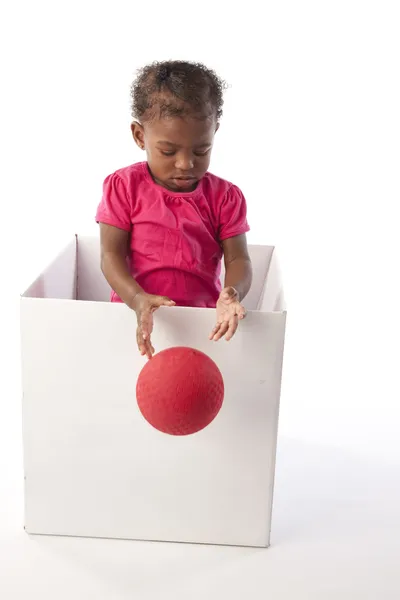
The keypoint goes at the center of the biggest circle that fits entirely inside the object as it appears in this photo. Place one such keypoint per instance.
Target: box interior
(75, 274)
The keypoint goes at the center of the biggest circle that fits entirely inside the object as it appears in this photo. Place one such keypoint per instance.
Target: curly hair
(176, 88)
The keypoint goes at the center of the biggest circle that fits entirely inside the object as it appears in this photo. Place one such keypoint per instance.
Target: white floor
(334, 537)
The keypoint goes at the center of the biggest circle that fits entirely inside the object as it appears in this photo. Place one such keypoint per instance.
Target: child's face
(178, 149)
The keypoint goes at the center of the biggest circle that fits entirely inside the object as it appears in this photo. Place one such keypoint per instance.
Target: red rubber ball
(180, 391)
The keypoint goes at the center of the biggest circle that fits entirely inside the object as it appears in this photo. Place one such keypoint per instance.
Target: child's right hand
(144, 306)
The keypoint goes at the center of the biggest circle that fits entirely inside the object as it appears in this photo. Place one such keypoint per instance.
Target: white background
(311, 133)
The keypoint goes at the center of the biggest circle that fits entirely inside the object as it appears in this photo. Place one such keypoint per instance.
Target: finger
(146, 323)
(149, 349)
(230, 292)
(214, 330)
(233, 325)
(145, 346)
(140, 342)
(221, 331)
(158, 301)
(241, 312)
(168, 302)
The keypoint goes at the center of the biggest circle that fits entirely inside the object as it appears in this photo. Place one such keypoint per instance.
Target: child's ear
(138, 134)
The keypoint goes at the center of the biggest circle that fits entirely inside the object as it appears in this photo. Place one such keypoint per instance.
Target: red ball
(180, 391)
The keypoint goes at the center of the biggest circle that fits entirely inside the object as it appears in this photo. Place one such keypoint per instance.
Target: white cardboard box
(93, 465)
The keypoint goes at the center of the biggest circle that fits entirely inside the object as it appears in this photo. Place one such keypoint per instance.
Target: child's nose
(184, 163)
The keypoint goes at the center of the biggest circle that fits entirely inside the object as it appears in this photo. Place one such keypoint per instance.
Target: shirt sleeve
(233, 214)
(115, 206)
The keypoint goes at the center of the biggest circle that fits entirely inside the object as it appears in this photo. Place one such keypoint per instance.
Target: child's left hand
(229, 313)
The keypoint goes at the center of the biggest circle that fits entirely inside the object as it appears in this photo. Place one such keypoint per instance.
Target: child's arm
(114, 250)
(238, 270)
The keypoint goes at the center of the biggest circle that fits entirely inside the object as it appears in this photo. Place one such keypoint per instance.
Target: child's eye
(165, 153)
(202, 153)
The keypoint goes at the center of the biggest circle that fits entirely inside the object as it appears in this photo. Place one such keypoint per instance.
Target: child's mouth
(184, 182)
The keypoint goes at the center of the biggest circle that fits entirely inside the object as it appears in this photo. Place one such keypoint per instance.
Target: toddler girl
(166, 223)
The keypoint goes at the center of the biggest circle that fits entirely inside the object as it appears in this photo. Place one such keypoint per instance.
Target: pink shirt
(175, 237)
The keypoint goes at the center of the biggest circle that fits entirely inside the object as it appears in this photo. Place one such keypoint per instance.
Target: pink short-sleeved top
(175, 237)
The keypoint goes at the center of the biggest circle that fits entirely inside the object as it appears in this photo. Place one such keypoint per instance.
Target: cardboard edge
(276, 436)
(120, 306)
(76, 267)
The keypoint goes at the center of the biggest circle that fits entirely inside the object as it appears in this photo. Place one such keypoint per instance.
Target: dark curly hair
(176, 88)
